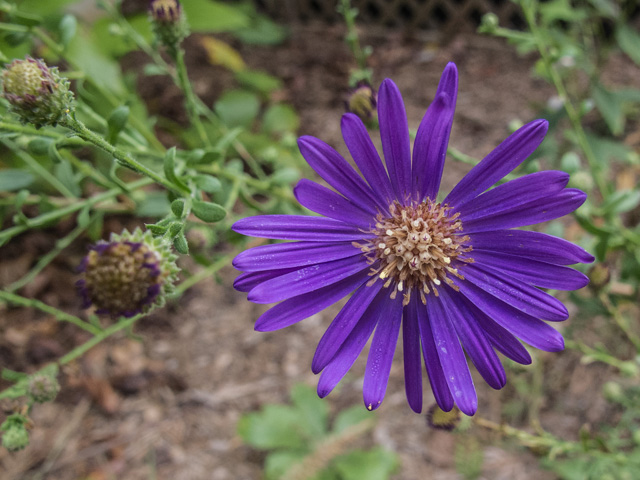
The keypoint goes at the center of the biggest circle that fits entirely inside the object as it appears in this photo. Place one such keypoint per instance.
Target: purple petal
(394, 133)
(247, 281)
(342, 325)
(353, 345)
(366, 157)
(326, 202)
(303, 306)
(337, 172)
(500, 337)
(454, 363)
(533, 245)
(430, 147)
(537, 211)
(298, 227)
(502, 160)
(529, 329)
(383, 346)
(524, 297)
(432, 361)
(523, 190)
(296, 254)
(306, 280)
(473, 339)
(412, 359)
(533, 272)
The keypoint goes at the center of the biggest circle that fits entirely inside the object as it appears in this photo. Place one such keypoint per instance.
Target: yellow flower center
(417, 247)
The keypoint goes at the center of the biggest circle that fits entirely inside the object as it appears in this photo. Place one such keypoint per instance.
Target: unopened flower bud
(361, 100)
(441, 420)
(37, 93)
(43, 388)
(15, 435)
(169, 23)
(130, 274)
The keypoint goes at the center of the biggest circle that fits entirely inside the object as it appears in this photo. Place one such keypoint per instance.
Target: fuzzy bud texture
(361, 100)
(130, 274)
(37, 93)
(15, 435)
(169, 22)
(43, 388)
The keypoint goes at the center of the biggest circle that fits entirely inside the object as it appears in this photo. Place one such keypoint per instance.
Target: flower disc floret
(36, 93)
(128, 275)
(417, 248)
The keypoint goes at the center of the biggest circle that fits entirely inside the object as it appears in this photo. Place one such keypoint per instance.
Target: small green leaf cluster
(301, 444)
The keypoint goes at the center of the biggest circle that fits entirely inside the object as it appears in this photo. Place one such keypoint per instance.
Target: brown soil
(165, 405)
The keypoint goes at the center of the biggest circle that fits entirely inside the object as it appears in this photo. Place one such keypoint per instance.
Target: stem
(190, 97)
(54, 215)
(124, 158)
(59, 315)
(530, 8)
(202, 274)
(620, 321)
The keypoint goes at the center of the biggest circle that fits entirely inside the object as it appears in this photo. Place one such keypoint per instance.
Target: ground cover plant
(137, 187)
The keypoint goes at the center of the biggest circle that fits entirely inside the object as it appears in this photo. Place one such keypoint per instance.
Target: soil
(164, 403)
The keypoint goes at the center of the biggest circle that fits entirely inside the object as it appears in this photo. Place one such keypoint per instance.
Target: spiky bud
(15, 435)
(130, 274)
(43, 388)
(361, 100)
(36, 93)
(169, 23)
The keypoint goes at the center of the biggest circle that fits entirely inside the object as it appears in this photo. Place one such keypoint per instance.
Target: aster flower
(454, 276)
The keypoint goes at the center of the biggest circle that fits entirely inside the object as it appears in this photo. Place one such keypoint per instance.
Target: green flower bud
(36, 93)
(130, 274)
(43, 388)
(15, 436)
(169, 23)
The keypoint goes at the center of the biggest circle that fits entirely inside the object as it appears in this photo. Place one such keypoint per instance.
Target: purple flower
(453, 274)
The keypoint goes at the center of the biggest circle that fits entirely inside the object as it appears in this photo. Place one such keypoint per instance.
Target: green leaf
(90, 60)
(276, 426)
(44, 8)
(63, 171)
(116, 122)
(262, 31)
(375, 464)
(14, 179)
(350, 417)
(278, 463)
(610, 107)
(169, 166)
(211, 16)
(154, 204)
(629, 41)
(207, 183)
(68, 28)
(314, 411)
(280, 118)
(177, 207)
(258, 80)
(207, 211)
(180, 243)
(109, 38)
(620, 201)
(237, 108)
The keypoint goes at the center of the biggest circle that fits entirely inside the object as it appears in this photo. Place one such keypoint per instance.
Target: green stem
(190, 97)
(61, 244)
(123, 157)
(38, 169)
(202, 274)
(43, 307)
(530, 11)
(58, 213)
(620, 321)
